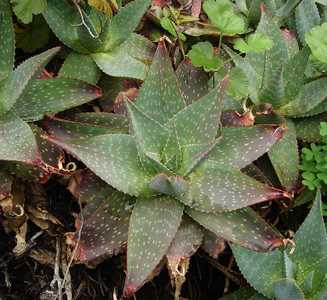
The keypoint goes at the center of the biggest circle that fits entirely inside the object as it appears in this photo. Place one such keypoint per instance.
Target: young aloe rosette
(101, 41)
(278, 75)
(286, 275)
(178, 161)
(24, 97)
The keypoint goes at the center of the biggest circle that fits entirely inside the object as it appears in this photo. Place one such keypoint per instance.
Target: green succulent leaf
(287, 289)
(50, 96)
(309, 97)
(150, 136)
(186, 241)
(160, 84)
(25, 9)
(284, 157)
(202, 55)
(86, 71)
(306, 258)
(240, 146)
(223, 15)
(124, 23)
(114, 158)
(306, 17)
(17, 140)
(62, 19)
(307, 129)
(82, 128)
(317, 41)
(7, 41)
(215, 188)
(242, 227)
(193, 81)
(256, 42)
(153, 226)
(18, 80)
(106, 216)
(136, 53)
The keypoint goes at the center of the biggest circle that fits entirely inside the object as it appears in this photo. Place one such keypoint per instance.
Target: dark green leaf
(287, 289)
(25, 9)
(7, 41)
(81, 67)
(284, 157)
(153, 226)
(243, 227)
(50, 96)
(317, 43)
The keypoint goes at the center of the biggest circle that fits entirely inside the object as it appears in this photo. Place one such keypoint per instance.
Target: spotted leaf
(161, 85)
(284, 157)
(241, 146)
(17, 140)
(242, 227)
(193, 81)
(18, 80)
(216, 188)
(86, 71)
(50, 96)
(103, 221)
(7, 41)
(153, 226)
(113, 157)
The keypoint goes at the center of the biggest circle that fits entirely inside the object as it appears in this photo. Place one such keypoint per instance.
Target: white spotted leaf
(153, 226)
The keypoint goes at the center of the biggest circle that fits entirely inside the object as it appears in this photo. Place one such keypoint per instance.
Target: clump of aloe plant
(178, 170)
(25, 98)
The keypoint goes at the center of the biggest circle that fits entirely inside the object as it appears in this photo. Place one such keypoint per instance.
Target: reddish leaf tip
(98, 91)
(129, 289)
(262, 8)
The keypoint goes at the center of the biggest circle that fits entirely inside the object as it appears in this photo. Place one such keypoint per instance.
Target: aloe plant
(102, 41)
(26, 98)
(177, 160)
(301, 275)
(278, 76)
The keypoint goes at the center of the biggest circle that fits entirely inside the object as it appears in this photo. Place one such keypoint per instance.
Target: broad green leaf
(81, 67)
(7, 41)
(241, 146)
(307, 129)
(249, 72)
(193, 81)
(284, 157)
(287, 8)
(17, 140)
(131, 59)
(153, 226)
(287, 289)
(167, 24)
(19, 79)
(113, 158)
(223, 15)
(63, 20)
(309, 97)
(202, 55)
(256, 42)
(150, 136)
(306, 17)
(316, 39)
(25, 9)
(67, 129)
(161, 85)
(124, 23)
(242, 227)
(50, 96)
(215, 188)
(250, 264)
(238, 86)
(311, 241)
